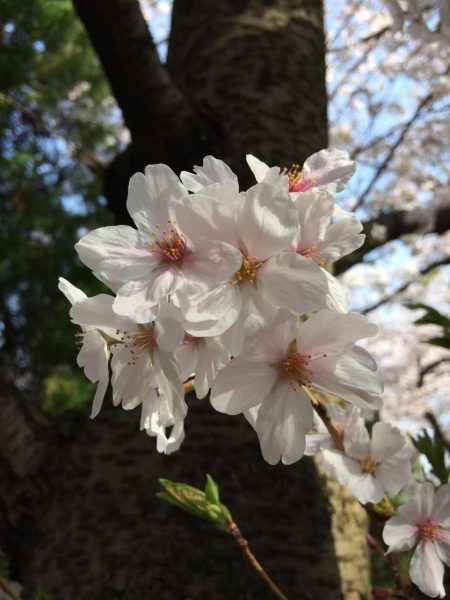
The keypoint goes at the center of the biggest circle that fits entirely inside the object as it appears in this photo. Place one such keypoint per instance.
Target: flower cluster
(231, 289)
(212, 272)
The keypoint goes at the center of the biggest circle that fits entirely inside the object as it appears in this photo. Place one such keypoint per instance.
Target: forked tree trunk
(82, 521)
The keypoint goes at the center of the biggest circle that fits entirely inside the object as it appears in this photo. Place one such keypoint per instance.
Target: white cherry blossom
(328, 170)
(423, 522)
(158, 259)
(94, 353)
(370, 466)
(144, 370)
(280, 361)
(270, 276)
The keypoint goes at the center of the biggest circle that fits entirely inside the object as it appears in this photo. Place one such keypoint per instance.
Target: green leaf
(431, 316)
(212, 490)
(434, 450)
(204, 505)
(443, 342)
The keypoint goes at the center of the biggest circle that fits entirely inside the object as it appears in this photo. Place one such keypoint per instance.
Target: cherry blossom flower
(156, 260)
(423, 522)
(370, 467)
(280, 361)
(144, 370)
(318, 238)
(94, 353)
(270, 276)
(327, 170)
(203, 357)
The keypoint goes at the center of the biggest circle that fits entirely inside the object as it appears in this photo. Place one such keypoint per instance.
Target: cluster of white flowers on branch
(232, 287)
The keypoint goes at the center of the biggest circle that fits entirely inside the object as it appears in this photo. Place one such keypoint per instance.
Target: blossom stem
(4, 585)
(234, 530)
(325, 417)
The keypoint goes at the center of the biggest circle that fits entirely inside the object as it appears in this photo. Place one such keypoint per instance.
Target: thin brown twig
(4, 585)
(434, 265)
(234, 530)
(325, 418)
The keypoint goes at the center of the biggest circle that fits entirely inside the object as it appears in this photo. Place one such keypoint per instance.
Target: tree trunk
(245, 76)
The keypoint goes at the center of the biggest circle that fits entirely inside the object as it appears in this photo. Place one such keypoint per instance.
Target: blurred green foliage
(434, 317)
(58, 128)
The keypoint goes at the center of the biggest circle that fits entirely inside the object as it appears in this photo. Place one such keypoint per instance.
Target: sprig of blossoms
(206, 270)
(232, 287)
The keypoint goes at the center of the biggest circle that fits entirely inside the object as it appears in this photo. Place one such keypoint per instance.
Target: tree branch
(430, 367)
(402, 288)
(407, 126)
(394, 225)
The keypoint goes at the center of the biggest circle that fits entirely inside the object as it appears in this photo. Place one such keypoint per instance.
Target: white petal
(72, 293)
(341, 238)
(117, 251)
(186, 356)
(399, 534)
(99, 395)
(420, 507)
(270, 343)
(241, 385)
(209, 363)
(202, 217)
(212, 171)
(169, 334)
(252, 414)
(337, 294)
(365, 488)
(281, 425)
(150, 197)
(288, 280)
(442, 546)
(386, 441)
(258, 167)
(329, 332)
(93, 356)
(329, 169)
(314, 215)
(139, 299)
(131, 382)
(213, 312)
(393, 474)
(267, 221)
(357, 440)
(97, 312)
(211, 264)
(441, 507)
(339, 466)
(427, 571)
(346, 377)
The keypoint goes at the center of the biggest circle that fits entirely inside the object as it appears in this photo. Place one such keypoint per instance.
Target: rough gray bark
(84, 522)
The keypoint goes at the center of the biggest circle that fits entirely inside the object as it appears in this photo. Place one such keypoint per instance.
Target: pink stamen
(168, 243)
(429, 530)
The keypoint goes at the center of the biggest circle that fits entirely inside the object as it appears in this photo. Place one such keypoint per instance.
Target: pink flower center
(297, 181)
(295, 367)
(312, 253)
(248, 270)
(168, 243)
(191, 339)
(429, 530)
(138, 343)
